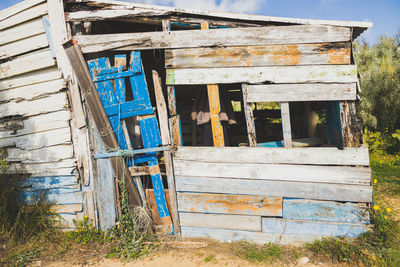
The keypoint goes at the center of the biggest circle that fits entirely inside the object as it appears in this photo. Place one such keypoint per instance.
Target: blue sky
(385, 14)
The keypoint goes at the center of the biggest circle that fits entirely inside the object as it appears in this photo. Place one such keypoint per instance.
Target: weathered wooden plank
(23, 46)
(12, 10)
(248, 112)
(39, 140)
(259, 56)
(36, 124)
(230, 204)
(55, 196)
(71, 208)
(294, 227)
(28, 29)
(336, 192)
(171, 100)
(281, 172)
(48, 182)
(279, 74)
(95, 15)
(221, 221)
(301, 92)
(175, 129)
(28, 63)
(324, 211)
(303, 155)
(62, 167)
(32, 91)
(28, 14)
(215, 37)
(54, 102)
(286, 125)
(32, 77)
(43, 155)
(226, 235)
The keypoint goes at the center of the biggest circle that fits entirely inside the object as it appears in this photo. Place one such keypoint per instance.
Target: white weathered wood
(335, 192)
(23, 31)
(14, 9)
(28, 63)
(248, 112)
(161, 109)
(221, 221)
(279, 74)
(286, 125)
(96, 15)
(63, 167)
(39, 140)
(28, 14)
(36, 124)
(281, 172)
(23, 46)
(227, 235)
(48, 104)
(30, 92)
(230, 204)
(29, 78)
(214, 37)
(259, 56)
(43, 155)
(276, 155)
(301, 92)
(71, 208)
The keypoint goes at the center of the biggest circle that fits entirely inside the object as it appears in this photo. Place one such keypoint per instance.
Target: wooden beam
(286, 125)
(214, 37)
(301, 92)
(306, 155)
(166, 140)
(279, 74)
(82, 74)
(259, 56)
(248, 112)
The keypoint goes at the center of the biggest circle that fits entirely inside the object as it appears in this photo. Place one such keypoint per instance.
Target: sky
(384, 14)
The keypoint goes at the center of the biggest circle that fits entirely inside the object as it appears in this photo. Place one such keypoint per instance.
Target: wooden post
(215, 108)
(286, 128)
(166, 140)
(101, 121)
(248, 112)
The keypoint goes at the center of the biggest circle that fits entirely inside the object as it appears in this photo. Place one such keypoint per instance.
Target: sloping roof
(358, 26)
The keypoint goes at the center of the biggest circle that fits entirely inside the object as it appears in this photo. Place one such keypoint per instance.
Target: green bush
(85, 233)
(382, 142)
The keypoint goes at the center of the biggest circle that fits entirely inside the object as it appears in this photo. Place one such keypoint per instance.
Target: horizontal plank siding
(61, 167)
(30, 78)
(293, 227)
(296, 34)
(71, 208)
(230, 204)
(222, 221)
(226, 235)
(281, 172)
(335, 192)
(312, 156)
(12, 10)
(28, 29)
(48, 182)
(301, 92)
(28, 14)
(43, 155)
(279, 74)
(324, 211)
(23, 46)
(259, 56)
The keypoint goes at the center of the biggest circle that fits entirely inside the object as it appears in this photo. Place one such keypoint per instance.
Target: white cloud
(240, 6)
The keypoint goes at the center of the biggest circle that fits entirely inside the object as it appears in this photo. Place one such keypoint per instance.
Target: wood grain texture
(151, 200)
(286, 125)
(62, 167)
(24, 64)
(72, 208)
(42, 155)
(220, 221)
(230, 204)
(226, 235)
(248, 112)
(311, 156)
(215, 37)
(24, 46)
(28, 29)
(28, 14)
(294, 227)
(335, 192)
(324, 211)
(175, 128)
(32, 77)
(258, 56)
(215, 109)
(279, 74)
(301, 92)
(12, 10)
(280, 172)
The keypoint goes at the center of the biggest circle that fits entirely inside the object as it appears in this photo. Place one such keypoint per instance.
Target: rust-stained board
(151, 201)
(230, 204)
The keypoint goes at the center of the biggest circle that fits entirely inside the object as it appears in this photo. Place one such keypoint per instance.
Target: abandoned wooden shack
(222, 125)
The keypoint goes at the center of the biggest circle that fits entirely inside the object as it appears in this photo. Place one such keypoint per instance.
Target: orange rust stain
(338, 56)
(287, 55)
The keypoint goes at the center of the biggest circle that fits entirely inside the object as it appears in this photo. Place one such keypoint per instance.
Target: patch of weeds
(23, 257)
(256, 253)
(85, 233)
(209, 258)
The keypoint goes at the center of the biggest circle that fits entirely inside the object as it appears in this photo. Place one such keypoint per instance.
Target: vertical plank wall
(35, 116)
